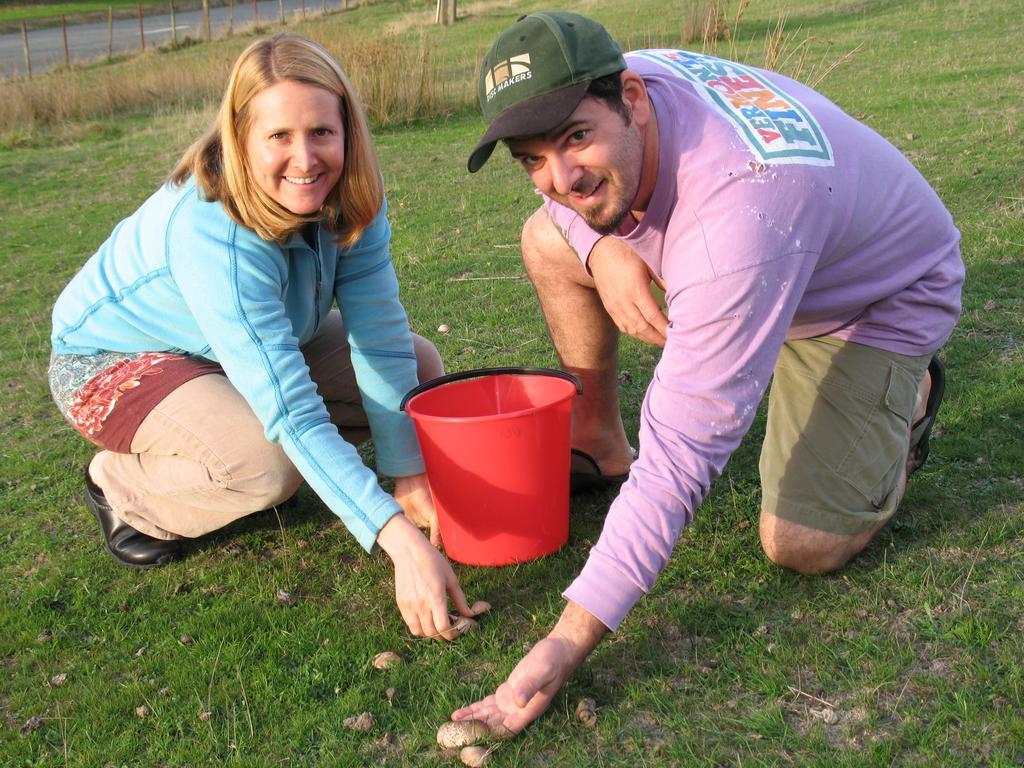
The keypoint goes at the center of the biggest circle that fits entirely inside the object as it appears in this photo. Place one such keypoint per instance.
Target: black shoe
(586, 476)
(919, 451)
(125, 544)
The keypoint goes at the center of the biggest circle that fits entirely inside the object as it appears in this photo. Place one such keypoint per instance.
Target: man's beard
(605, 218)
(608, 223)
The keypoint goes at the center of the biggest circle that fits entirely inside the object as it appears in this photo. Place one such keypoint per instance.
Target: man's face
(590, 163)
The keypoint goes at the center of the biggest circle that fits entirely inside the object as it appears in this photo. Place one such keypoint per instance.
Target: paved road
(87, 42)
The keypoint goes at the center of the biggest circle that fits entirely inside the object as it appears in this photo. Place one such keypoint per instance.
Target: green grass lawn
(910, 656)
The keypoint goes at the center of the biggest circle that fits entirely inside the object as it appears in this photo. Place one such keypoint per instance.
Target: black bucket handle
(472, 374)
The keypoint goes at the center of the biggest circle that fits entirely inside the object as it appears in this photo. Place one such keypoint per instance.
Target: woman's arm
(233, 283)
(366, 289)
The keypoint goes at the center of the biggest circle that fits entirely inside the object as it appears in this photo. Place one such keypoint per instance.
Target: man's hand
(623, 282)
(532, 686)
(424, 580)
(413, 495)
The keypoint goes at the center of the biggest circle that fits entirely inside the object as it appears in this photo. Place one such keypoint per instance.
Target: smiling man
(793, 244)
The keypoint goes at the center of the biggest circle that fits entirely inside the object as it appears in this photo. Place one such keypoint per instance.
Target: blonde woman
(199, 349)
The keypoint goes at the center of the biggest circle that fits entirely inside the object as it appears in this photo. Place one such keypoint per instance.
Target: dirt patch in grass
(481, 671)
(938, 668)
(650, 732)
(388, 747)
(901, 627)
(672, 642)
(5, 706)
(844, 724)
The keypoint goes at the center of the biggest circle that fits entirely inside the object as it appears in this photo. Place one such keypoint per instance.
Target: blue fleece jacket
(179, 275)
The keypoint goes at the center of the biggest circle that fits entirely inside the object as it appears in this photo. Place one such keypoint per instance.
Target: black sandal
(919, 452)
(585, 475)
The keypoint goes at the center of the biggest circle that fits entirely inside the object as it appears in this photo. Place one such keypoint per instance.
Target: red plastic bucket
(496, 444)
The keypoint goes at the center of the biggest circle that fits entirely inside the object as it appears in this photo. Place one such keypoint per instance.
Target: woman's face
(296, 144)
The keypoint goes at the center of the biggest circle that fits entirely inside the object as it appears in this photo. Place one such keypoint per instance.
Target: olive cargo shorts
(838, 433)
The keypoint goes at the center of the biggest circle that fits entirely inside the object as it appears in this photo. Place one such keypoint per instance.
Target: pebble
(361, 723)
(453, 735)
(386, 660)
(474, 756)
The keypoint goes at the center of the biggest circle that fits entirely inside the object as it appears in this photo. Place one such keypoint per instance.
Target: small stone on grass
(360, 723)
(462, 733)
(586, 712)
(474, 756)
(386, 660)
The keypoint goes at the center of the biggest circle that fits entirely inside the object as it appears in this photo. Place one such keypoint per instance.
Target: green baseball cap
(536, 74)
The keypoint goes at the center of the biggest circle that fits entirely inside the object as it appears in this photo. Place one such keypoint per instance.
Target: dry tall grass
(149, 82)
(708, 22)
(403, 83)
(703, 21)
(398, 75)
(398, 82)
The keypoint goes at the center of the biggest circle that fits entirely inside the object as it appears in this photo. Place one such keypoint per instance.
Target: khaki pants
(200, 460)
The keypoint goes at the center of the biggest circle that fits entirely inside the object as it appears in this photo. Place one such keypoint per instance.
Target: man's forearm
(579, 630)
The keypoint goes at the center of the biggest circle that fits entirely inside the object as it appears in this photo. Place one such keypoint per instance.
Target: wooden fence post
(256, 13)
(64, 34)
(174, 25)
(231, 16)
(24, 46)
(142, 31)
(206, 20)
(280, 11)
(110, 32)
(303, 3)
(445, 13)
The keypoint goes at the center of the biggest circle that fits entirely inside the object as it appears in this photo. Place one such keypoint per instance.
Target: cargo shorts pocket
(875, 460)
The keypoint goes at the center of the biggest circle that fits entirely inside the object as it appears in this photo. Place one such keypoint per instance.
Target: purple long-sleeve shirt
(775, 216)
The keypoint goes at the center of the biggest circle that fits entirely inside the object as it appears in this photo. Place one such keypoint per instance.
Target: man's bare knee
(806, 550)
(545, 250)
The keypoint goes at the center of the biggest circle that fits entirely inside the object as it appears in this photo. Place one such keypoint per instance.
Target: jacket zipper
(319, 277)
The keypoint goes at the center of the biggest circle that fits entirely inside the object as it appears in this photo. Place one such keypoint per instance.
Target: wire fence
(32, 51)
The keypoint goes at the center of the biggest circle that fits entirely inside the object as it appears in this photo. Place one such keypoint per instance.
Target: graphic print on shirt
(775, 127)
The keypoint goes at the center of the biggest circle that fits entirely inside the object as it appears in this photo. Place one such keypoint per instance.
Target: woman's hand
(413, 495)
(424, 580)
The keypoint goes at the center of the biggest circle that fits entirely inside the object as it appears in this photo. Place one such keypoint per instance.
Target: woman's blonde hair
(220, 166)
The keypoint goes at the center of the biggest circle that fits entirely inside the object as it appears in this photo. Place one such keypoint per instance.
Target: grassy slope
(916, 646)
